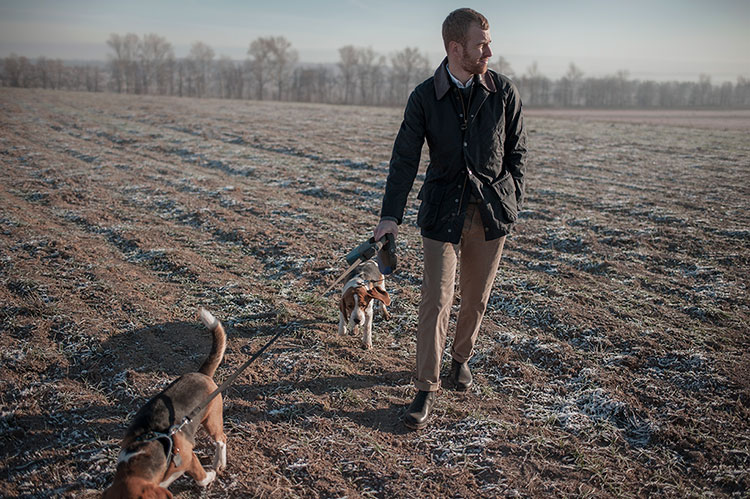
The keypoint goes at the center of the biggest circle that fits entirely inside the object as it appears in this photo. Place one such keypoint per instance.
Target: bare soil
(613, 359)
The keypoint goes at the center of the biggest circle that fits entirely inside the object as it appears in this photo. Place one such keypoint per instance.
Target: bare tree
(247, 74)
(370, 72)
(123, 62)
(702, 94)
(93, 77)
(155, 54)
(725, 95)
(569, 87)
(535, 86)
(78, 75)
(304, 87)
(348, 65)
(199, 64)
(260, 50)
(43, 72)
(231, 79)
(223, 76)
(273, 58)
(283, 58)
(181, 75)
(647, 94)
(57, 70)
(741, 97)
(18, 70)
(117, 61)
(623, 89)
(614, 91)
(408, 68)
(148, 66)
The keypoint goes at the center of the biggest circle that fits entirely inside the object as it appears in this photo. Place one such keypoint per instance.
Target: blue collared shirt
(458, 82)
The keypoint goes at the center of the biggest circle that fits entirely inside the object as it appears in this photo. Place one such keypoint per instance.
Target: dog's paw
(210, 476)
(220, 457)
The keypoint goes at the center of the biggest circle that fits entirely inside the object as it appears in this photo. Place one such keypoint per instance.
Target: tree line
(272, 70)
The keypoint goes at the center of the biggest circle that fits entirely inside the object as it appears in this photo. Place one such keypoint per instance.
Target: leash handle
(373, 248)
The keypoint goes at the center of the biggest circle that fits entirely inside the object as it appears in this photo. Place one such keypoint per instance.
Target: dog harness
(166, 440)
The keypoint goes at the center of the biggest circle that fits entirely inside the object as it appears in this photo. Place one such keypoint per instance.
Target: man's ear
(455, 49)
(380, 294)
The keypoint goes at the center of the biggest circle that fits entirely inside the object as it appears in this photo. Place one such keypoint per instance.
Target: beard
(474, 66)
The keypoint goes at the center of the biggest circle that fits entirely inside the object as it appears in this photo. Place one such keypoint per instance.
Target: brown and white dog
(148, 462)
(364, 286)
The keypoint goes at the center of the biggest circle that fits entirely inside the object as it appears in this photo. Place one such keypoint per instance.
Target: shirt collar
(457, 81)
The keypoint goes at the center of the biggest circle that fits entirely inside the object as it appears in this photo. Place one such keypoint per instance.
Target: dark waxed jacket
(489, 154)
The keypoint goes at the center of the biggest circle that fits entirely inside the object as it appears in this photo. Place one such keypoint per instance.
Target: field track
(613, 361)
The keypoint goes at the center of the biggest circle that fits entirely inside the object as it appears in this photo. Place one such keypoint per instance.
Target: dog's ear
(342, 302)
(380, 294)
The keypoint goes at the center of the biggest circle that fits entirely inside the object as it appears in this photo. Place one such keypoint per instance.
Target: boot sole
(414, 426)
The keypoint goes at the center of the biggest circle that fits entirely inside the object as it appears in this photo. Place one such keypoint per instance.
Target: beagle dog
(151, 459)
(364, 286)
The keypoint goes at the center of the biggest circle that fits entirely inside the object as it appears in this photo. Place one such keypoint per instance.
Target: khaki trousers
(479, 260)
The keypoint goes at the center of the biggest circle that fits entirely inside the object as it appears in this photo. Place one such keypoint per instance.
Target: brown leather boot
(419, 411)
(460, 375)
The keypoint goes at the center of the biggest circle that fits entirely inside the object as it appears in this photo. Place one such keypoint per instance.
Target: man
(473, 189)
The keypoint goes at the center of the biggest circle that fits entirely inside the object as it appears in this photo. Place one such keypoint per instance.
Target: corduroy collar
(443, 81)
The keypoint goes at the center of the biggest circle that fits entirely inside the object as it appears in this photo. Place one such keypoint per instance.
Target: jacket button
(449, 230)
(457, 200)
(486, 229)
(464, 144)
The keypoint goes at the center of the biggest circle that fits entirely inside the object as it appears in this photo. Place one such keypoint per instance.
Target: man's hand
(385, 227)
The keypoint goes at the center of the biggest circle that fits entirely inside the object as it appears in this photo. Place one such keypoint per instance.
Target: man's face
(476, 52)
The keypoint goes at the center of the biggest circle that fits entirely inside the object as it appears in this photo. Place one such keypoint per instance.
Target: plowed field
(613, 359)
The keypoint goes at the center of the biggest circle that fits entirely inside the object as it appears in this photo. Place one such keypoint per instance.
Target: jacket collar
(443, 81)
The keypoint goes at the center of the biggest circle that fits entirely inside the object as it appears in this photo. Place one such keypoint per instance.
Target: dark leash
(226, 384)
(361, 253)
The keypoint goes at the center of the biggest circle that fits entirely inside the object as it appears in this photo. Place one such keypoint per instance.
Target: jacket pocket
(505, 191)
(432, 197)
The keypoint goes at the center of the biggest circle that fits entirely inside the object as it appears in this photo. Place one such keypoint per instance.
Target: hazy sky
(652, 39)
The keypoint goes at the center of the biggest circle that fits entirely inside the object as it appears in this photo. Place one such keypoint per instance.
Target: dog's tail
(219, 344)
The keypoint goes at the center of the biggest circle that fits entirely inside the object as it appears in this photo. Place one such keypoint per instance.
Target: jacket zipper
(464, 126)
(465, 123)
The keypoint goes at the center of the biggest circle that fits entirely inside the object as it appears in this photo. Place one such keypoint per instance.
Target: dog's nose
(357, 320)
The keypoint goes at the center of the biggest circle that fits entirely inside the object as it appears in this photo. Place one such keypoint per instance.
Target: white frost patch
(579, 406)
(450, 445)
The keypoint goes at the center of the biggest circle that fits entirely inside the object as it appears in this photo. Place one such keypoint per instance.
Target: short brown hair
(456, 25)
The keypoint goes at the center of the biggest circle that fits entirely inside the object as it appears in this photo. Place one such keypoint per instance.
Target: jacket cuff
(392, 219)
